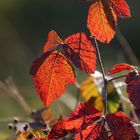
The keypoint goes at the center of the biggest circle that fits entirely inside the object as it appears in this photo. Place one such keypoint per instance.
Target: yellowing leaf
(91, 94)
(89, 89)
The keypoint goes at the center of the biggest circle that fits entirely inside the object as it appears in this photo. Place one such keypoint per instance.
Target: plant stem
(115, 78)
(104, 91)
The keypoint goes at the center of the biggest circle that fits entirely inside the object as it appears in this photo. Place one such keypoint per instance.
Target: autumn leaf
(92, 94)
(82, 116)
(102, 21)
(79, 50)
(57, 131)
(53, 41)
(51, 75)
(92, 132)
(119, 68)
(32, 134)
(133, 88)
(89, 89)
(121, 127)
(38, 139)
(120, 7)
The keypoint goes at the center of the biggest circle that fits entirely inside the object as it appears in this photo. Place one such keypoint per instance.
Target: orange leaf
(121, 127)
(120, 67)
(51, 75)
(80, 51)
(53, 41)
(120, 7)
(102, 21)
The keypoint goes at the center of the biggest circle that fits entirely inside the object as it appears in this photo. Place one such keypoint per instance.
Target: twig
(115, 78)
(104, 91)
(10, 88)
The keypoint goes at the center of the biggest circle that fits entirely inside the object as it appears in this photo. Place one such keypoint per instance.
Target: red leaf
(120, 67)
(53, 41)
(93, 132)
(51, 75)
(133, 88)
(121, 127)
(120, 7)
(57, 131)
(39, 139)
(80, 51)
(102, 21)
(81, 117)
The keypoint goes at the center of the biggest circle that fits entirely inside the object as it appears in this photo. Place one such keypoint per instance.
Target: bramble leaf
(120, 67)
(81, 117)
(102, 21)
(92, 132)
(53, 41)
(121, 126)
(133, 88)
(51, 75)
(120, 7)
(57, 131)
(79, 50)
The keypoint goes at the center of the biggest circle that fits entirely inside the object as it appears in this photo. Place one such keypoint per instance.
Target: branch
(104, 91)
(115, 78)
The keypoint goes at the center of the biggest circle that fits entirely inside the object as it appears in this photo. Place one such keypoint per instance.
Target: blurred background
(24, 26)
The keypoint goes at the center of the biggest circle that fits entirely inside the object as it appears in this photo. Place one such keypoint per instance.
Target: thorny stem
(115, 78)
(104, 91)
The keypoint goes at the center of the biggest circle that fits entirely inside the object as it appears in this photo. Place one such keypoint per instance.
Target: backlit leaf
(89, 89)
(101, 21)
(120, 67)
(51, 75)
(91, 93)
(93, 132)
(121, 127)
(53, 41)
(81, 117)
(120, 7)
(79, 50)
(133, 88)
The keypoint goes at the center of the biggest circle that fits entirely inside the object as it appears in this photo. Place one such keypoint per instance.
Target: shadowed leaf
(133, 88)
(121, 127)
(120, 7)
(79, 50)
